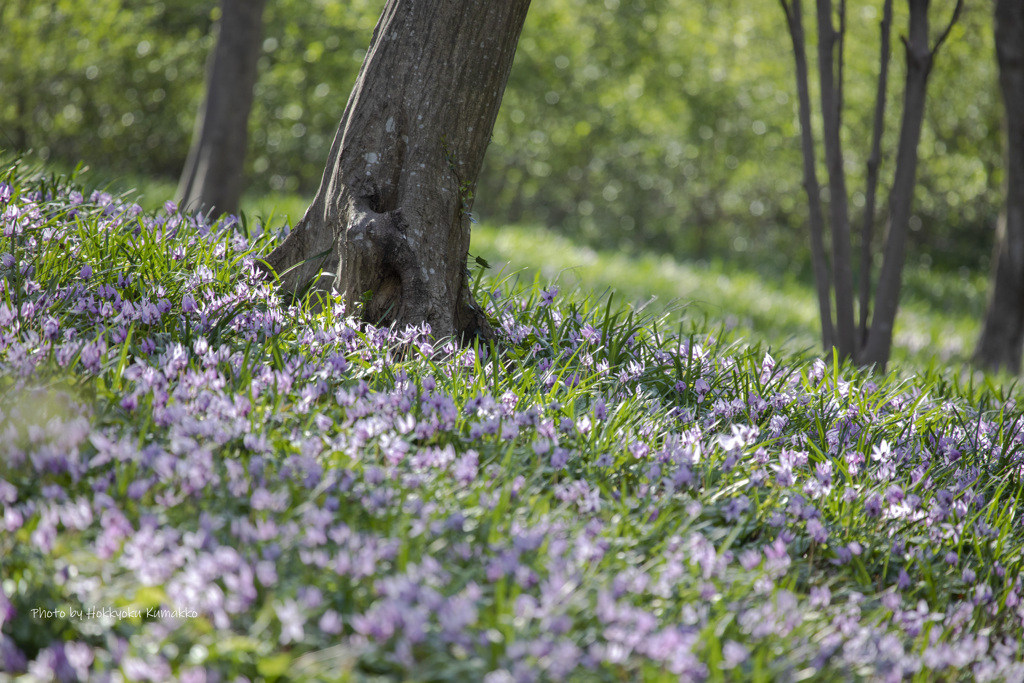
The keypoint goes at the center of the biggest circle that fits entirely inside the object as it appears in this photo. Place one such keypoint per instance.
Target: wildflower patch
(234, 487)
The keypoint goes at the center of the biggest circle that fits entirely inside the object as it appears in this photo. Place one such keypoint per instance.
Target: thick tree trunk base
(389, 228)
(385, 281)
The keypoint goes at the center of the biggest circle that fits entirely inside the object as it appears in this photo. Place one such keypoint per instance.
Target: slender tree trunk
(390, 222)
(212, 180)
(920, 57)
(829, 63)
(819, 260)
(1002, 337)
(874, 163)
(866, 346)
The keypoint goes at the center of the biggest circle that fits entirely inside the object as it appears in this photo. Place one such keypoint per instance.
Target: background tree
(110, 83)
(662, 125)
(866, 345)
(1002, 337)
(213, 178)
(390, 222)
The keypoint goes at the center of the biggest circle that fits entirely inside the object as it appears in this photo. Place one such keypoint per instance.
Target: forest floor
(937, 325)
(198, 482)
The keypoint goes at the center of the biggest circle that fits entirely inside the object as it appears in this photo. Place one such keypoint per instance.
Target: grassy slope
(937, 325)
(937, 322)
(598, 502)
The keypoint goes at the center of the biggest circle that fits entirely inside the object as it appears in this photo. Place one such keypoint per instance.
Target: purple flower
(639, 449)
(784, 475)
(467, 467)
(92, 354)
(150, 669)
(683, 477)
(777, 556)
(12, 659)
(79, 657)
(457, 613)
(266, 573)
(740, 436)
(820, 596)
(735, 508)
(559, 458)
(193, 674)
(873, 506)
(854, 460)
(777, 424)
(894, 495)
(51, 664)
(733, 654)
(750, 559)
(701, 387)
(310, 596)
(130, 402)
(330, 623)
(843, 556)
(823, 473)
(982, 594)
(891, 601)
(817, 531)
(8, 493)
(767, 366)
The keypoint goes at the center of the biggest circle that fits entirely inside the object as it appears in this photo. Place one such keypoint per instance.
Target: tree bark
(390, 222)
(212, 180)
(920, 57)
(819, 260)
(1002, 338)
(839, 212)
(874, 163)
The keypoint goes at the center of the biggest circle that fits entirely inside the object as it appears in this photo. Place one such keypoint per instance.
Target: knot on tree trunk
(382, 269)
(387, 275)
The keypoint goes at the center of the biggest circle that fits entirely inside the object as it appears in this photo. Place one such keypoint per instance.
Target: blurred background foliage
(641, 125)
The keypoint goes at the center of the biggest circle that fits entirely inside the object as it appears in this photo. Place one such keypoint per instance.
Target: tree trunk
(920, 57)
(212, 180)
(819, 260)
(390, 221)
(870, 346)
(874, 163)
(830, 77)
(1002, 336)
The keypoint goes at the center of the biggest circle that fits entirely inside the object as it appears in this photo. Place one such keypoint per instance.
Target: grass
(938, 323)
(198, 483)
